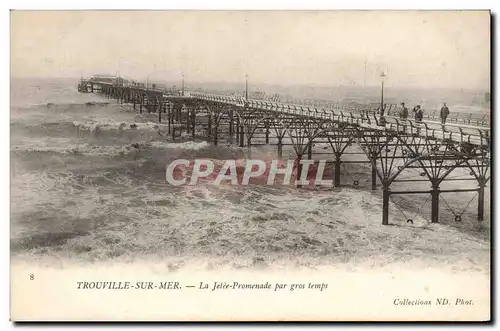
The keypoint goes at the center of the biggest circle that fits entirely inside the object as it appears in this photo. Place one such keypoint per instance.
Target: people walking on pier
(444, 113)
(418, 113)
(414, 111)
(403, 114)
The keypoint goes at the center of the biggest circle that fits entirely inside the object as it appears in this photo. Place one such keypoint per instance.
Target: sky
(424, 49)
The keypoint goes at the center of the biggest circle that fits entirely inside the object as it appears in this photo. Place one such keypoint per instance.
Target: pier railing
(464, 133)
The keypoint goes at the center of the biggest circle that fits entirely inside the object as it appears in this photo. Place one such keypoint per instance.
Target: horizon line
(360, 86)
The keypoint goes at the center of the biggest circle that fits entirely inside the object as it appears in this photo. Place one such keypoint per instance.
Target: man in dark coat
(404, 112)
(444, 113)
(418, 113)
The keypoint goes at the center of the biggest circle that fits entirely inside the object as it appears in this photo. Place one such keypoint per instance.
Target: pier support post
(188, 120)
(299, 171)
(480, 202)
(178, 113)
(385, 205)
(337, 170)
(242, 136)
(216, 133)
(231, 125)
(193, 122)
(249, 146)
(374, 172)
(209, 129)
(435, 202)
(169, 117)
(237, 129)
(267, 133)
(280, 147)
(171, 114)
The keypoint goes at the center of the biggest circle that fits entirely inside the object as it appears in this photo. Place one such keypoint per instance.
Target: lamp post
(246, 86)
(182, 88)
(382, 108)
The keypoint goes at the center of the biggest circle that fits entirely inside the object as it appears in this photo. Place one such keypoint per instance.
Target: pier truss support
(168, 112)
(302, 132)
(135, 98)
(202, 117)
(121, 93)
(381, 150)
(400, 153)
(191, 118)
(142, 99)
(339, 137)
(280, 123)
(249, 119)
(159, 106)
(479, 164)
(219, 116)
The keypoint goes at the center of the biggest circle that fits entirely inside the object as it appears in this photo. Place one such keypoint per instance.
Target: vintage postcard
(250, 165)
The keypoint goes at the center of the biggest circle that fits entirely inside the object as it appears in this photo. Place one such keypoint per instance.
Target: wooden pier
(390, 145)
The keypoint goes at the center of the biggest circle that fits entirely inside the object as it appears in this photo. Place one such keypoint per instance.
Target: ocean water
(88, 184)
